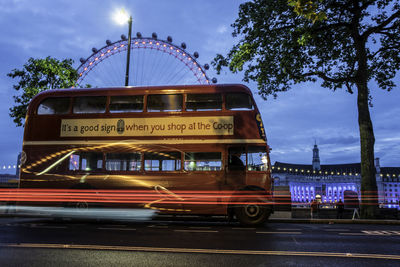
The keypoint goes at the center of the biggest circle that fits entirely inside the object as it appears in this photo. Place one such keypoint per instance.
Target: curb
(335, 221)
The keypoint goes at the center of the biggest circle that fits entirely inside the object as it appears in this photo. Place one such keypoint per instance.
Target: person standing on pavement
(339, 209)
(314, 209)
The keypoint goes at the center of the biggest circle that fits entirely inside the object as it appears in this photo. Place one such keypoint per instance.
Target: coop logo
(120, 126)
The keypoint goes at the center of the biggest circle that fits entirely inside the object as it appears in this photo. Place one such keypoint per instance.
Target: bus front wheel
(252, 214)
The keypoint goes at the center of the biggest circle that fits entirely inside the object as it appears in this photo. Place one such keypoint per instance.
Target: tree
(340, 43)
(36, 76)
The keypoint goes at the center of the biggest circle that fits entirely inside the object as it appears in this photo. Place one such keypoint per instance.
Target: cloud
(338, 140)
(222, 29)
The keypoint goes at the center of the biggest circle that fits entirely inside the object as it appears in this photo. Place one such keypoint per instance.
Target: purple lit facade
(330, 183)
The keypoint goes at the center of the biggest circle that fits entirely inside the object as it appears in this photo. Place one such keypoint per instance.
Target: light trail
(145, 197)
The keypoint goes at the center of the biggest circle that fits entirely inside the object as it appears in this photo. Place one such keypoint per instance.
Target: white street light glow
(121, 16)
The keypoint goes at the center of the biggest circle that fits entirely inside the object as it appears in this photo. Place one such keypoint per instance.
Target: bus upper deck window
(238, 101)
(127, 103)
(90, 104)
(203, 161)
(54, 105)
(199, 102)
(164, 103)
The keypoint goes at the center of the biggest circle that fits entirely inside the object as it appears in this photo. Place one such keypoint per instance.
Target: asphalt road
(46, 242)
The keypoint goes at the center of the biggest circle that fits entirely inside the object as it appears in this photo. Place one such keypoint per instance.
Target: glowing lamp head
(121, 16)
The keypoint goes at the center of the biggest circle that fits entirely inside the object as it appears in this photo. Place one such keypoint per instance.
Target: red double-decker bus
(198, 149)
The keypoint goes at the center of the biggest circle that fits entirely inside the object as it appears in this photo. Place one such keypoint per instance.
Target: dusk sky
(308, 112)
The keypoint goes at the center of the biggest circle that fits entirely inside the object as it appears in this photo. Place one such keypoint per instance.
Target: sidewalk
(286, 217)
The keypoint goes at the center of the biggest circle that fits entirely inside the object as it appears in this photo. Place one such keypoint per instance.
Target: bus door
(235, 170)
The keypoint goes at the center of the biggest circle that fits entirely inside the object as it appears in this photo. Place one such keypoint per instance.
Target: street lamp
(122, 17)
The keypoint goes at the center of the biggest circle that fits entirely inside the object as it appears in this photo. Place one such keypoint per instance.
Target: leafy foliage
(282, 44)
(36, 76)
(308, 9)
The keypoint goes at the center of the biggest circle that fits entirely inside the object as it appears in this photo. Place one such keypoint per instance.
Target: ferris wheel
(153, 62)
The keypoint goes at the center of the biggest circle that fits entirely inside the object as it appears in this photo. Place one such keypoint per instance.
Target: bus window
(164, 103)
(199, 102)
(238, 101)
(203, 161)
(162, 161)
(74, 162)
(123, 161)
(54, 105)
(86, 161)
(90, 104)
(257, 159)
(131, 103)
(237, 159)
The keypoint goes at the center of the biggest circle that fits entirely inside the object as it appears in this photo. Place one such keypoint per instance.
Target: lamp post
(128, 57)
(121, 17)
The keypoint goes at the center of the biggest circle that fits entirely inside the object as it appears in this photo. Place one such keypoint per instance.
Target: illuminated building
(332, 182)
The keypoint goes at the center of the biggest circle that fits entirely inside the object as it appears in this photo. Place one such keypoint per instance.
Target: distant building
(10, 180)
(334, 182)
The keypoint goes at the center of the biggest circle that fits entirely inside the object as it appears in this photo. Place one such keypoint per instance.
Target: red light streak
(148, 196)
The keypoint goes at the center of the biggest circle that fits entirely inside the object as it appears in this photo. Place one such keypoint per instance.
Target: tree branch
(381, 26)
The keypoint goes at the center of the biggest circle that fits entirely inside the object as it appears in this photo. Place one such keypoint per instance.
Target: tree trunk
(369, 200)
(369, 190)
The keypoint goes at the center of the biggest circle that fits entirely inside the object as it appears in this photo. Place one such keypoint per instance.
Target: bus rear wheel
(252, 214)
(80, 206)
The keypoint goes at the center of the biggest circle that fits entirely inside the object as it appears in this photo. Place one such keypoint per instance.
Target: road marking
(381, 232)
(288, 229)
(374, 233)
(209, 251)
(118, 229)
(294, 233)
(196, 231)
